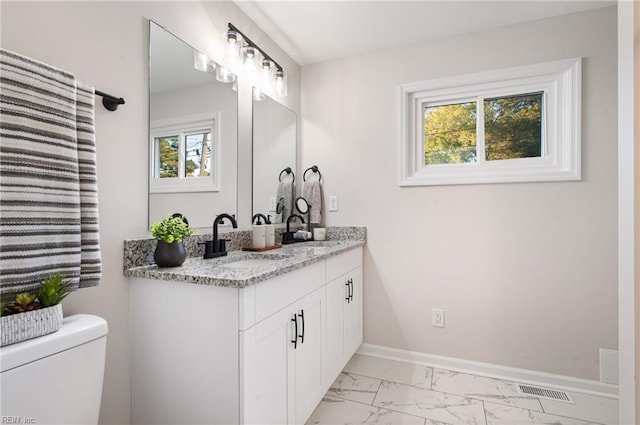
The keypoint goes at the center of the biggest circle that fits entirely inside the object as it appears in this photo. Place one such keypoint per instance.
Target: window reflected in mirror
(193, 121)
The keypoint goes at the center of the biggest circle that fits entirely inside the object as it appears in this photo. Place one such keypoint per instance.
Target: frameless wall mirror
(274, 155)
(193, 133)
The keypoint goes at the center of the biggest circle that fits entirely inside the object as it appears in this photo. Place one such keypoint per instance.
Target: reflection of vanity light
(202, 62)
(224, 75)
(258, 94)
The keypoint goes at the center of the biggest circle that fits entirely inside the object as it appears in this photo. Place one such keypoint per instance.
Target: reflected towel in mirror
(284, 199)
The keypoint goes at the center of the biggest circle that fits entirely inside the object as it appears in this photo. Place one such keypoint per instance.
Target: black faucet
(216, 247)
(287, 237)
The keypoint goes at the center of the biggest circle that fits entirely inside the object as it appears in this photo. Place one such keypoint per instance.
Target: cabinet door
(353, 315)
(309, 368)
(268, 358)
(337, 293)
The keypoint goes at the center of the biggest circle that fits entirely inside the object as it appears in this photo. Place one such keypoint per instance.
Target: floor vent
(545, 393)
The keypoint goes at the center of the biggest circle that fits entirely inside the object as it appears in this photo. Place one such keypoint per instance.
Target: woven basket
(31, 324)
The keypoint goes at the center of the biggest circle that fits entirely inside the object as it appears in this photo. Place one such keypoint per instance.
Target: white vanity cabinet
(344, 309)
(262, 354)
(281, 369)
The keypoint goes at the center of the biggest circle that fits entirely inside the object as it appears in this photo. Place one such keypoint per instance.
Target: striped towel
(48, 186)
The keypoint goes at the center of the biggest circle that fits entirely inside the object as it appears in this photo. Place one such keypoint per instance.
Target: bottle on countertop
(258, 235)
(269, 232)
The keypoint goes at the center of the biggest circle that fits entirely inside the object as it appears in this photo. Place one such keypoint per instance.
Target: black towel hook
(287, 170)
(110, 102)
(313, 169)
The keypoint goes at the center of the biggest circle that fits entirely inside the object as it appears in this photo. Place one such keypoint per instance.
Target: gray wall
(526, 273)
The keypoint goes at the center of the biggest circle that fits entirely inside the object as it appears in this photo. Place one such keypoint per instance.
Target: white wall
(105, 44)
(218, 100)
(526, 273)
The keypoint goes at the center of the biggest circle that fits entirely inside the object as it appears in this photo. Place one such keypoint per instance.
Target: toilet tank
(57, 378)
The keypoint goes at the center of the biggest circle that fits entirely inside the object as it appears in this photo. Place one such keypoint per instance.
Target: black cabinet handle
(348, 285)
(301, 315)
(294, 319)
(351, 295)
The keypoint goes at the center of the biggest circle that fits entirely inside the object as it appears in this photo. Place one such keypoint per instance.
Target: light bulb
(234, 41)
(266, 74)
(281, 83)
(251, 58)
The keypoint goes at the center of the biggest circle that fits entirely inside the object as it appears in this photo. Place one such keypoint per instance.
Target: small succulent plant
(171, 229)
(4, 303)
(53, 290)
(23, 301)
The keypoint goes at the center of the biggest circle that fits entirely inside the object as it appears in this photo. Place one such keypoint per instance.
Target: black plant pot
(169, 254)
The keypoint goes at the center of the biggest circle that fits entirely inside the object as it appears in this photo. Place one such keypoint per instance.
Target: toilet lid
(76, 330)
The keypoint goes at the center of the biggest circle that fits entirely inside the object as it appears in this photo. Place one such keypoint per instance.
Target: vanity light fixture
(264, 72)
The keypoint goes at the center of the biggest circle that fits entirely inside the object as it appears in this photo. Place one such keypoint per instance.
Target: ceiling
(312, 31)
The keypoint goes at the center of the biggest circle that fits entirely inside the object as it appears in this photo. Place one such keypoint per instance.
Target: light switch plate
(333, 203)
(437, 317)
(272, 203)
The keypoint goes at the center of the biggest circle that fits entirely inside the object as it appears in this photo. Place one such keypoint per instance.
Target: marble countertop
(241, 268)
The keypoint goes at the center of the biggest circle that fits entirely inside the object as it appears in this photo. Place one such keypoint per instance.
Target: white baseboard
(525, 376)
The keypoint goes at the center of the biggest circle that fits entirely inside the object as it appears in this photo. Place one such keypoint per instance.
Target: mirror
(302, 205)
(193, 133)
(274, 159)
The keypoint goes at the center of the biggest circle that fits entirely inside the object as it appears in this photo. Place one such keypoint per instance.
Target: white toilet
(57, 378)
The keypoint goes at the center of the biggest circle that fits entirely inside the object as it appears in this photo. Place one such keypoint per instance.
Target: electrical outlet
(272, 203)
(333, 203)
(437, 317)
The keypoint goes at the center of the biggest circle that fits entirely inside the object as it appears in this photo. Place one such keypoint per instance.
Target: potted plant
(28, 315)
(170, 233)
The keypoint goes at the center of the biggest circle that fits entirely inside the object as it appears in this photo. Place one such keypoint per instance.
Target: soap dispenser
(269, 232)
(258, 232)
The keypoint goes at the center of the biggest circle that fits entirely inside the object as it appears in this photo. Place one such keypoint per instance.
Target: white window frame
(561, 83)
(182, 126)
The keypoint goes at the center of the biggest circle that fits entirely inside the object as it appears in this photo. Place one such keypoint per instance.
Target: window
(520, 124)
(184, 155)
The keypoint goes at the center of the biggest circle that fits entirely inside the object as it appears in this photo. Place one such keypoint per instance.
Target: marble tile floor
(377, 391)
